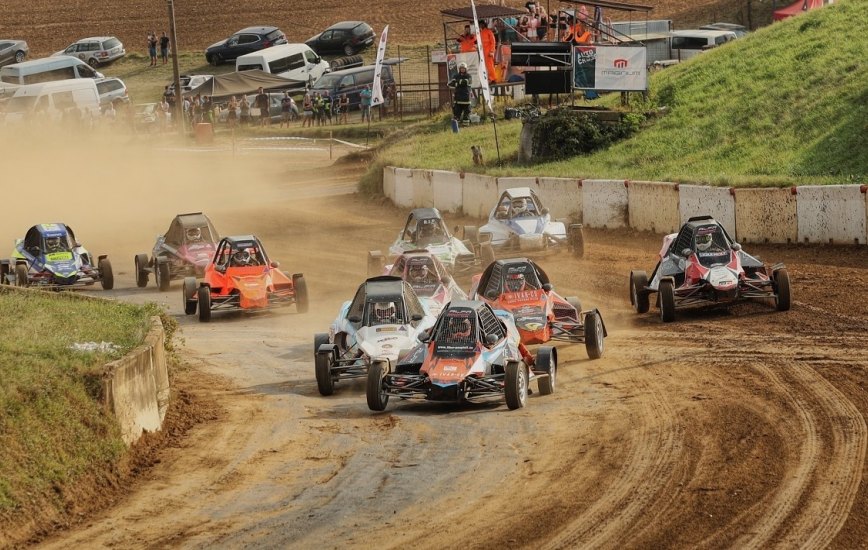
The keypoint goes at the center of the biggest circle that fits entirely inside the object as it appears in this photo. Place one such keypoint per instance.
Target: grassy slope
(785, 105)
(53, 430)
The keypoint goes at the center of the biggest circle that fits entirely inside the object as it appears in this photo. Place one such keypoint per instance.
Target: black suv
(353, 81)
(346, 37)
(242, 42)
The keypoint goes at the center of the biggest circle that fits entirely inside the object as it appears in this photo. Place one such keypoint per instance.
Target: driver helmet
(427, 230)
(242, 257)
(53, 244)
(519, 206)
(384, 312)
(418, 273)
(462, 65)
(703, 242)
(515, 282)
(194, 234)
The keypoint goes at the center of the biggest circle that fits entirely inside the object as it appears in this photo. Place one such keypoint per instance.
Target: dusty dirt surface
(49, 26)
(742, 428)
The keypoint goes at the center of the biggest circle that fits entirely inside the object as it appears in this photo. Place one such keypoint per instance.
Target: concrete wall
(508, 183)
(604, 203)
(389, 182)
(479, 195)
(562, 196)
(423, 188)
(718, 202)
(403, 188)
(765, 215)
(448, 190)
(831, 213)
(653, 206)
(136, 386)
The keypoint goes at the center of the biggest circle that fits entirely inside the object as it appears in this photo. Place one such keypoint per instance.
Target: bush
(562, 133)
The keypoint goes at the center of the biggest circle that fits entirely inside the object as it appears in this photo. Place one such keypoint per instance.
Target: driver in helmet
(419, 274)
(515, 282)
(242, 258)
(705, 240)
(385, 313)
(519, 208)
(53, 244)
(194, 235)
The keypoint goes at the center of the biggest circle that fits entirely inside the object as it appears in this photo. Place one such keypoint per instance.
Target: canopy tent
(242, 83)
(796, 8)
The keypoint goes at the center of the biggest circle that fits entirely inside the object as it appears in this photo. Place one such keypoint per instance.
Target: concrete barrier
(448, 190)
(604, 203)
(479, 195)
(136, 386)
(831, 213)
(423, 189)
(653, 206)
(765, 216)
(403, 187)
(718, 202)
(509, 183)
(562, 196)
(389, 182)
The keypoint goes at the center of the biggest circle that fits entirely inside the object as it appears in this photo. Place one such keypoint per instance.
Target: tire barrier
(718, 202)
(604, 203)
(831, 214)
(653, 206)
(765, 216)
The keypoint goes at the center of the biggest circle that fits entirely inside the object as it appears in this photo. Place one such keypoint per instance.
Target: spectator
(489, 45)
(532, 26)
(109, 114)
(366, 103)
(327, 107)
(286, 104)
(207, 110)
(262, 103)
(169, 96)
(164, 48)
(317, 108)
(467, 41)
(166, 111)
(307, 110)
(152, 48)
(543, 28)
(231, 116)
(245, 111)
(343, 109)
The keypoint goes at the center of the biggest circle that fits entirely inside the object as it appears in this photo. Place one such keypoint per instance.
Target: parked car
(352, 82)
(242, 42)
(54, 101)
(190, 81)
(95, 51)
(12, 51)
(111, 89)
(145, 116)
(346, 37)
(290, 61)
(690, 43)
(739, 30)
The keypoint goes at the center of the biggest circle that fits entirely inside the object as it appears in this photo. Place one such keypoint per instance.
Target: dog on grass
(477, 155)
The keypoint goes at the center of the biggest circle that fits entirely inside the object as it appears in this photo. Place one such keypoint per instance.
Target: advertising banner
(610, 68)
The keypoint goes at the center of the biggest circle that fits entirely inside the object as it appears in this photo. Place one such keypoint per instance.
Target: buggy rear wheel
(204, 296)
(782, 294)
(21, 276)
(667, 301)
(547, 360)
(188, 294)
(162, 275)
(515, 387)
(106, 276)
(323, 367)
(141, 270)
(4, 272)
(486, 254)
(377, 398)
(594, 335)
(576, 303)
(470, 233)
(577, 240)
(638, 292)
(300, 288)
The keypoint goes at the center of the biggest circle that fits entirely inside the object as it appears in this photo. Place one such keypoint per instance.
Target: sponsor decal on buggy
(522, 296)
(59, 256)
(387, 329)
(388, 338)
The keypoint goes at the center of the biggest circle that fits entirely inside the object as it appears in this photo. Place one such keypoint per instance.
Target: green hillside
(787, 104)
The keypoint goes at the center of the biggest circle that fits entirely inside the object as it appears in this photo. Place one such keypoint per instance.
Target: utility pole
(178, 115)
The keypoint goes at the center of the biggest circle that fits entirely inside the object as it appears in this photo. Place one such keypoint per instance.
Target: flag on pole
(483, 72)
(377, 92)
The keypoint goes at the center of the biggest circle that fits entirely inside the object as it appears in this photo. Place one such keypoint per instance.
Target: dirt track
(742, 429)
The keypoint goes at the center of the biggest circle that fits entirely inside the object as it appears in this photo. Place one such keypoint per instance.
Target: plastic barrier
(389, 182)
(718, 202)
(765, 216)
(653, 206)
(423, 189)
(831, 213)
(479, 195)
(404, 187)
(448, 190)
(604, 203)
(136, 386)
(562, 196)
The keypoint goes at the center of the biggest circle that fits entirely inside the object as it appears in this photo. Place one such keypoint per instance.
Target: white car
(384, 318)
(520, 223)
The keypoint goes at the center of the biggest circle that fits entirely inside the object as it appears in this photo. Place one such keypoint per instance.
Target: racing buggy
(520, 223)
(50, 257)
(241, 277)
(183, 251)
(471, 354)
(520, 286)
(384, 317)
(431, 282)
(425, 229)
(701, 266)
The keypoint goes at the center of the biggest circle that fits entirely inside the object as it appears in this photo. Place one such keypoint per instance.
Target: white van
(54, 100)
(687, 44)
(48, 69)
(292, 61)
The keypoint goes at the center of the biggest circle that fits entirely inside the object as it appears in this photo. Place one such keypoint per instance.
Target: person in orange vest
(489, 45)
(467, 41)
(578, 33)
